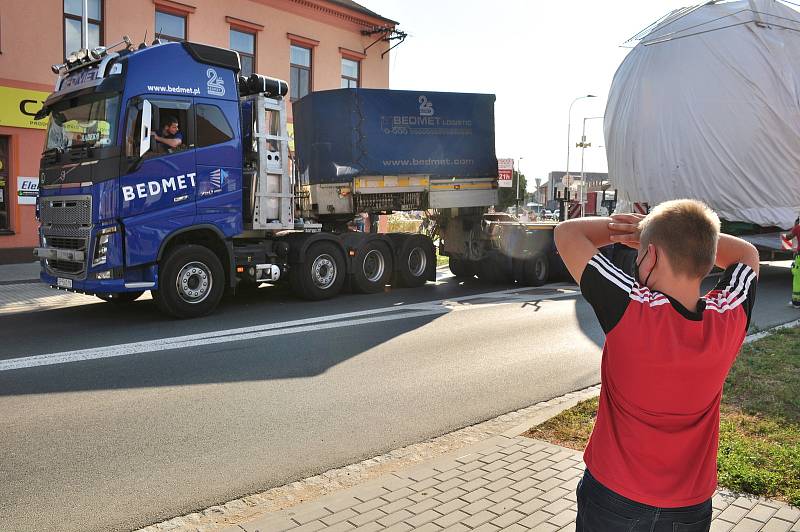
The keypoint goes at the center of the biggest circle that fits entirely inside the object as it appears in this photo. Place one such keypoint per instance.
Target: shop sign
(27, 190)
(19, 106)
(505, 169)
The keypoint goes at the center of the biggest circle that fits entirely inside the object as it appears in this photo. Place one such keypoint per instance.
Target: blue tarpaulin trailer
(344, 133)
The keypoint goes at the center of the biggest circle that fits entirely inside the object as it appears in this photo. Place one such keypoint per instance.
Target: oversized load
(344, 133)
(707, 106)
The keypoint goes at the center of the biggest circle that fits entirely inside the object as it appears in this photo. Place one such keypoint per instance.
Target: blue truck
(164, 170)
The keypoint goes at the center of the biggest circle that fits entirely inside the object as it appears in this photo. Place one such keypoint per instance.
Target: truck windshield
(88, 120)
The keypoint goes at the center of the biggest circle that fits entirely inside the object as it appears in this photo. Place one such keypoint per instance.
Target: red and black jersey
(663, 367)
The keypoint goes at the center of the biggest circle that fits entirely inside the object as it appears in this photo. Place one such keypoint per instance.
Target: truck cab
(112, 196)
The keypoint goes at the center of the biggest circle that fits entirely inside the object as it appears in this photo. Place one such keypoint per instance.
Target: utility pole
(569, 126)
(583, 145)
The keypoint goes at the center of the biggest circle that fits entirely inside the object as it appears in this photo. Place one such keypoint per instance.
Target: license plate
(64, 283)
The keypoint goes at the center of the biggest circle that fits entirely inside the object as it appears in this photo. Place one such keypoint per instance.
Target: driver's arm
(172, 143)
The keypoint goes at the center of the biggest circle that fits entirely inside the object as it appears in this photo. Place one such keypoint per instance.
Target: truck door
(219, 164)
(158, 186)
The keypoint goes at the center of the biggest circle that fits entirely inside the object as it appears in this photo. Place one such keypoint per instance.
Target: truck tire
(417, 262)
(322, 275)
(462, 268)
(191, 282)
(121, 298)
(537, 270)
(372, 268)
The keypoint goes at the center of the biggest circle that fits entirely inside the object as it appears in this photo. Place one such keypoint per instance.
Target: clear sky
(536, 56)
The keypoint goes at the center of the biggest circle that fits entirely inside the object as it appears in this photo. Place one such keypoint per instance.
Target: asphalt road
(146, 418)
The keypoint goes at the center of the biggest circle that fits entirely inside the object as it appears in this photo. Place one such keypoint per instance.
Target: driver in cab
(170, 138)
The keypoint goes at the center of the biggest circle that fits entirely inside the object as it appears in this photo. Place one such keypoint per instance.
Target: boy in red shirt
(651, 462)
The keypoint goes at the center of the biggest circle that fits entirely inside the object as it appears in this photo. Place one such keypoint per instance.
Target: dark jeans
(602, 510)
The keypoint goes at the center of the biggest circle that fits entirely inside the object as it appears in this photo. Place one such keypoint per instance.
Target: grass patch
(765, 379)
(571, 428)
(759, 448)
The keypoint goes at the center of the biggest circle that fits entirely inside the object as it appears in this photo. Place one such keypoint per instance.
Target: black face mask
(636, 269)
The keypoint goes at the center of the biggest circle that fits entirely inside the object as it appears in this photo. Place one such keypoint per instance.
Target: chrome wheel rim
(323, 271)
(194, 282)
(417, 261)
(374, 265)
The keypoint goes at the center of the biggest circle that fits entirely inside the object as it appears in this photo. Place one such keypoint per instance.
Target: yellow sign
(18, 107)
(290, 132)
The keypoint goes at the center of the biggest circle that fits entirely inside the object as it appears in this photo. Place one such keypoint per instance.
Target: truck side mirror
(144, 131)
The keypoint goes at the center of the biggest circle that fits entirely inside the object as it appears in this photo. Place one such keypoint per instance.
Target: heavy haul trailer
(499, 248)
(121, 212)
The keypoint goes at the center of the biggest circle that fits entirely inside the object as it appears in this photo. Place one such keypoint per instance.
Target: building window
(245, 43)
(170, 27)
(73, 11)
(351, 71)
(299, 72)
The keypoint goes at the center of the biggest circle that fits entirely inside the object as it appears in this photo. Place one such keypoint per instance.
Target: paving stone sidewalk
(504, 483)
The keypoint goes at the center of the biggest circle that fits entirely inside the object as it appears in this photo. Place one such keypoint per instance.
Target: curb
(252, 507)
(462, 441)
(757, 336)
(20, 281)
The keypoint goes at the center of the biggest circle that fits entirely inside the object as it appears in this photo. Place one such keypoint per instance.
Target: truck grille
(66, 210)
(67, 224)
(66, 243)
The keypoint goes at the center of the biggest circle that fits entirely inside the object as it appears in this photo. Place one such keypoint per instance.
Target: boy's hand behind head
(624, 229)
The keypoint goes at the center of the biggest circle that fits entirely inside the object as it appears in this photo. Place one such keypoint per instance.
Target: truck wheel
(191, 282)
(372, 269)
(121, 298)
(322, 274)
(536, 270)
(417, 262)
(462, 268)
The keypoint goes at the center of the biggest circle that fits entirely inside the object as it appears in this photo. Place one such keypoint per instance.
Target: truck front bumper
(101, 286)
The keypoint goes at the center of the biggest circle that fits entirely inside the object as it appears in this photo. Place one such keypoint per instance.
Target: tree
(508, 196)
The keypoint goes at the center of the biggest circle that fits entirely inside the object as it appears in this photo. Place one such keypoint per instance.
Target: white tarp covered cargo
(707, 106)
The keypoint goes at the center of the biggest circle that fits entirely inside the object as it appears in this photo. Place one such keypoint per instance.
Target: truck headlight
(101, 245)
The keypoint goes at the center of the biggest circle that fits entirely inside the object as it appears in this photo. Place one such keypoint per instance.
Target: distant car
(548, 214)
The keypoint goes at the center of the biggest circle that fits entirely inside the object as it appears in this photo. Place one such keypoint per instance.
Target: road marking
(347, 319)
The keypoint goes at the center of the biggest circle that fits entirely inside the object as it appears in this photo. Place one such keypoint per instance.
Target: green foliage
(571, 428)
(765, 380)
(507, 196)
(760, 456)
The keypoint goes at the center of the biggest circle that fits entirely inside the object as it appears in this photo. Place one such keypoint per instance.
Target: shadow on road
(284, 355)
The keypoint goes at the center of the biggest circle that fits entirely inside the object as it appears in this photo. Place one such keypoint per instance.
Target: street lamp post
(569, 127)
(583, 145)
(519, 177)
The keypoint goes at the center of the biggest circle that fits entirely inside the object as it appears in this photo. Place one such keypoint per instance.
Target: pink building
(313, 44)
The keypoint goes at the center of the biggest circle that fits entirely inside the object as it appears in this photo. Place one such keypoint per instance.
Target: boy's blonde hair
(687, 230)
